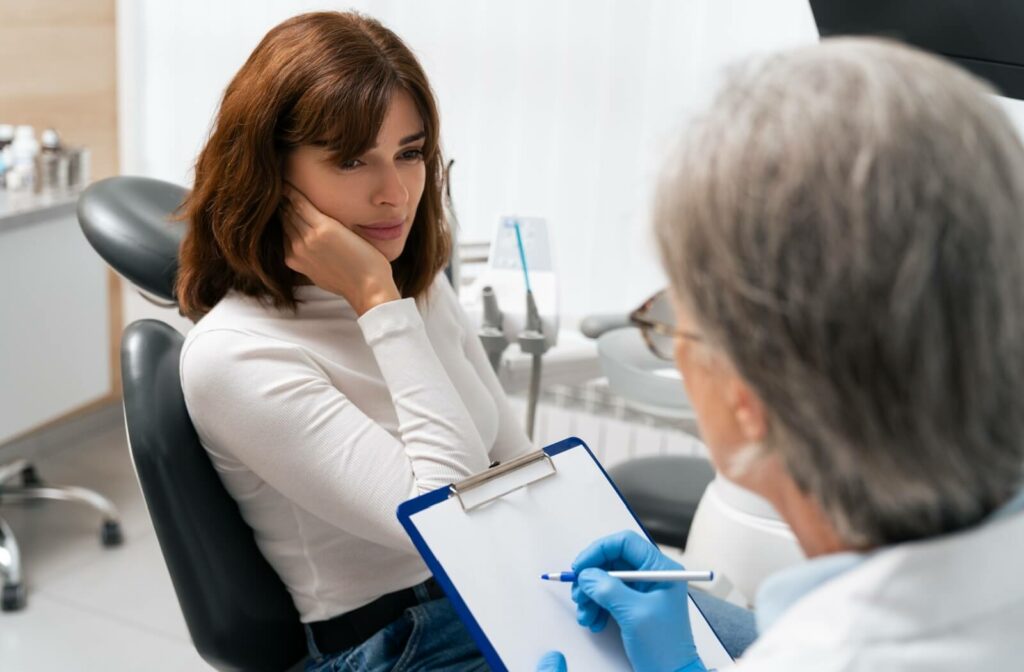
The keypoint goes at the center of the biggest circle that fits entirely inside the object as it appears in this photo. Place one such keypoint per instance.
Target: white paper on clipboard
(494, 555)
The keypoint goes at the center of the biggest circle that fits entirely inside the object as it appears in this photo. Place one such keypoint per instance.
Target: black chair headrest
(128, 221)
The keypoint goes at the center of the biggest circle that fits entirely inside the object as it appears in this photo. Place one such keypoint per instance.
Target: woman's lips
(382, 230)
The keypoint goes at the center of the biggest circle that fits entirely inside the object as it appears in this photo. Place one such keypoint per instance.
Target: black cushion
(663, 492)
(238, 611)
(129, 222)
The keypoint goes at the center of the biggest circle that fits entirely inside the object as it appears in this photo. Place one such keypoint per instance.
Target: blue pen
(640, 576)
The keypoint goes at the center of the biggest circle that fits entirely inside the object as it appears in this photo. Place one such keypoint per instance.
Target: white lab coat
(954, 603)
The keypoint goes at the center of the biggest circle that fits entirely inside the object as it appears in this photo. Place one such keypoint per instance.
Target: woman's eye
(349, 164)
(412, 155)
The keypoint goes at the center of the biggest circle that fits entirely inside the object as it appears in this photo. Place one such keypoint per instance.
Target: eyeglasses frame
(646, 325)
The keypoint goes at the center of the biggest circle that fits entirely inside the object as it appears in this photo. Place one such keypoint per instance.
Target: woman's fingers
(297, 229)
(293, 239)
(291, 227)
(294, 207)
(332, 256)
(308, 213)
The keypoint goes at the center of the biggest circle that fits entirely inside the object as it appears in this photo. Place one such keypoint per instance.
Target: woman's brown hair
(325, 79)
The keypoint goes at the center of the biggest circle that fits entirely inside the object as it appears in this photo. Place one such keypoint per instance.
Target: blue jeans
(734, 625)
(430, 636)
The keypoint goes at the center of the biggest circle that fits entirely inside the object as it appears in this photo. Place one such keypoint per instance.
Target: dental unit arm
(535, 328)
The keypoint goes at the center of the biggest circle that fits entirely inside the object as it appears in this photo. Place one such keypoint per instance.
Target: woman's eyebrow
(406, 140)
(412, 138)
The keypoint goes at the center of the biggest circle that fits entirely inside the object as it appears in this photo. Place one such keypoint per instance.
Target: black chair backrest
(129, 222)
(238, 611)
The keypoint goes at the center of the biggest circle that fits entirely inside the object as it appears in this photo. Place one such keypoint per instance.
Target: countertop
(22, 209)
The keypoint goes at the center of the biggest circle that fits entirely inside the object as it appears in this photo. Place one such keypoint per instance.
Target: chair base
(32, 489)
(13, 596)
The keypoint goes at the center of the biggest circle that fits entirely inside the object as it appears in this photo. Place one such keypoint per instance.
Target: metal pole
(531, 402)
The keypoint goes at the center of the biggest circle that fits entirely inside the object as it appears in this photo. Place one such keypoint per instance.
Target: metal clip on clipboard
(489, 485)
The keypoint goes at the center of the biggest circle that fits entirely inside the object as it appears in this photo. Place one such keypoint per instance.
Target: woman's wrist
(374, 297)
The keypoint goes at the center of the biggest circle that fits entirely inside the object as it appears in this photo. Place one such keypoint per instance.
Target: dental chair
(238, 612)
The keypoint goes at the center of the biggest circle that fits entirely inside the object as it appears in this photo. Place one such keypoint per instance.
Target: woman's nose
(391, 190)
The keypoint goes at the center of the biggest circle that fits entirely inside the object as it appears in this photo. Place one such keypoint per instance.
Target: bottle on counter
(79, 167)
(49, 141)
(52, 165)
(6, 137)
(21, 173)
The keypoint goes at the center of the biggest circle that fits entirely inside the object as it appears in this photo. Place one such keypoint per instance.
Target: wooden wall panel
(60, 70)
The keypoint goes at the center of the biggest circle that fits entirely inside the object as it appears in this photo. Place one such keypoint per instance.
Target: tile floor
(91, 608)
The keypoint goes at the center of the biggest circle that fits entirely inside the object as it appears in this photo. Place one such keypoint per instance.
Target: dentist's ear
(749, 464)
(747, 409)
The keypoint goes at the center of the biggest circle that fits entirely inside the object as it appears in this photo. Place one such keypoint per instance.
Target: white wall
(560, 109)
(556, 109)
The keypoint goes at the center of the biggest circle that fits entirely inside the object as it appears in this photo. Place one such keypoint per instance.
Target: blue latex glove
(553, 661)
(654, 617)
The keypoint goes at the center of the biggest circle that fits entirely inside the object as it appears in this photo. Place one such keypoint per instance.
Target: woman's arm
(267, 404)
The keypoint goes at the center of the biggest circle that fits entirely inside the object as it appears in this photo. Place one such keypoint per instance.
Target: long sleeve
(269, 405)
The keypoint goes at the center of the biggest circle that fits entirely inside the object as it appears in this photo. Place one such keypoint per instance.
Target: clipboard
(488, 538)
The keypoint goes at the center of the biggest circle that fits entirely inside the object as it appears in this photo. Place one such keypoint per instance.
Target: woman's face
(376, 194)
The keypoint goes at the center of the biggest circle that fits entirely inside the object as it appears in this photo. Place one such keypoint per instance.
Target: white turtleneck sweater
(321, 423)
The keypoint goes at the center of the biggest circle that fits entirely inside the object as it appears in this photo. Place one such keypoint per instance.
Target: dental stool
(238, 612)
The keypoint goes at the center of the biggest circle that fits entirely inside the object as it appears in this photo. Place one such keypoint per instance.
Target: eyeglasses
(656, 320)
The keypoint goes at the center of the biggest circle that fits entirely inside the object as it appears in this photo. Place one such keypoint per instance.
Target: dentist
(844, 234)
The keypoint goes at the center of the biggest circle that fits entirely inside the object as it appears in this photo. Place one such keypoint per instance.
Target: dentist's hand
(553, 661)
(333, 257)
(654, 618)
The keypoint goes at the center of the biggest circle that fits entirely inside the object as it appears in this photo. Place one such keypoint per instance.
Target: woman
(332, 373)
(844, 234)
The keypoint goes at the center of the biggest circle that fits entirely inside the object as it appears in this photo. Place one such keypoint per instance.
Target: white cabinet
(54, 317)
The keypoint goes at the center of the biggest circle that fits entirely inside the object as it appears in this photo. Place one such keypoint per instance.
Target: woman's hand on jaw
(333, 257)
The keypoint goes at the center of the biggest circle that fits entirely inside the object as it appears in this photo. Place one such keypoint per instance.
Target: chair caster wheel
(111, 534)
(30, 478)
(13, 598)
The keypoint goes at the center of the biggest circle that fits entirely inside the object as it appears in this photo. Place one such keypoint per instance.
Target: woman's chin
(391, 249)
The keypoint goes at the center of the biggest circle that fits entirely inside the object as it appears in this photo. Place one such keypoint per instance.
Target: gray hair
(845, 224)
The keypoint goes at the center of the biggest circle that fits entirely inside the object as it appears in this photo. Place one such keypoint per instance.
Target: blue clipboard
(410, 508)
